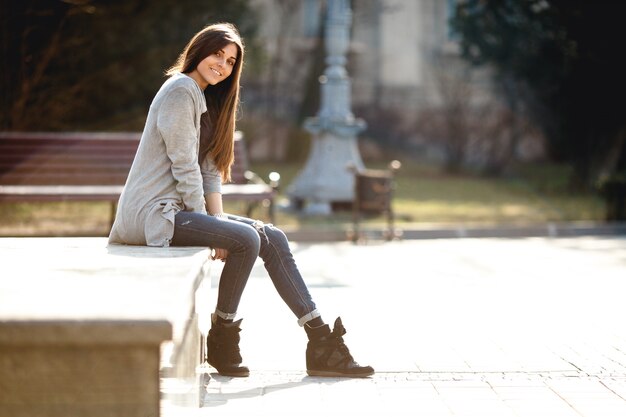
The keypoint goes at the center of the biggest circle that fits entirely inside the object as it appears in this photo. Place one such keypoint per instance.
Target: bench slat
(242, 191)
(68, 179)
(15, 193)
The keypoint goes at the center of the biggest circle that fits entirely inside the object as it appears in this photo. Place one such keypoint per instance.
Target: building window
(311, 16)
(450, 14)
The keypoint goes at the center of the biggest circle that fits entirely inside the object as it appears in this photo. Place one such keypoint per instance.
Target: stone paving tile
(415, 393)
(536, 408)
(589, 397)
(616, 385)
(454, 327)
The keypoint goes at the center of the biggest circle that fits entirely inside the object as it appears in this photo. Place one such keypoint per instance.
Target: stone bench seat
(84, 327)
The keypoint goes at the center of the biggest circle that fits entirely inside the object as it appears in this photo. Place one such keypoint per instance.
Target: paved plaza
(453, 327)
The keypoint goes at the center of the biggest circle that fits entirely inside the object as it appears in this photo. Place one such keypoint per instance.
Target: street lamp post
(325, 179)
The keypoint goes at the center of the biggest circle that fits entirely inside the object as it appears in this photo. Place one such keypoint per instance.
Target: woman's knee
(275, 234)
(275, 237)
(249, 239)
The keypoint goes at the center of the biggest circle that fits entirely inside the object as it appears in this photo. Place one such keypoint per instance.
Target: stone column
(324, 179)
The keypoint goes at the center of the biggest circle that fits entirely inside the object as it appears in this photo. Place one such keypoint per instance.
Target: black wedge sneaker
(223, 349)
(327, 354)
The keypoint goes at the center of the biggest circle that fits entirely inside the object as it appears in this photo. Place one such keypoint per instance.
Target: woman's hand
(219, 254)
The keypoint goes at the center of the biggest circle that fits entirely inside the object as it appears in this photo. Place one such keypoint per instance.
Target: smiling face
(216, 67)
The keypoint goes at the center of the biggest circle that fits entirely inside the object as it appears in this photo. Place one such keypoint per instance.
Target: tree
(89, 64)
(564, 57)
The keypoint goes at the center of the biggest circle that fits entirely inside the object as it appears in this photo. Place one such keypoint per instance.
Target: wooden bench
(91, 330)
(40, 167)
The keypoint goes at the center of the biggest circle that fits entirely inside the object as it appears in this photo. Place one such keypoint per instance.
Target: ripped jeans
(246, 239)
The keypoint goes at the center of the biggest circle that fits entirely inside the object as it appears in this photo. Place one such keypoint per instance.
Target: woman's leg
(242, 243)
(240, 240)
(245, 239)
(326, 352)
(282, 269)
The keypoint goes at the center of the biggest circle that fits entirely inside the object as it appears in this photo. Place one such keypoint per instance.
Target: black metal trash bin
(373, 193)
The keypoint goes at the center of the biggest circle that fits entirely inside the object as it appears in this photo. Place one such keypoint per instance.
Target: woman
(173, 197)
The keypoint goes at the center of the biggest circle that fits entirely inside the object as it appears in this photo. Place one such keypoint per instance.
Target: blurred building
(404, 64)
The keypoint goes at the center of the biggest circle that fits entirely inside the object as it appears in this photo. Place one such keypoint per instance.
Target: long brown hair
(223, 98)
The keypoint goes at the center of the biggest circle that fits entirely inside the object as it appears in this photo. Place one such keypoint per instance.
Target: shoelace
(337, 334)
(341, 347)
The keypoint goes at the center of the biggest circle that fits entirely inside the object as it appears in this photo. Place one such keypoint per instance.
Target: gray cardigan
(165, 176)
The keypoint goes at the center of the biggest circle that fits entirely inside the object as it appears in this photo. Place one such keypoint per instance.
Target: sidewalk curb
(342, 233)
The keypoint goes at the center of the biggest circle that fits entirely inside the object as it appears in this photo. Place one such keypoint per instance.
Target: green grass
(56, 219)
(423, 195)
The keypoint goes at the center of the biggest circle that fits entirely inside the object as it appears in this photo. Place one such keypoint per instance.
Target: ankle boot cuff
(313, 314)
(221, 314)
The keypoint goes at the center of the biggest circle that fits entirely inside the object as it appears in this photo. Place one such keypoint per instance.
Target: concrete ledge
(100, 380)
(83, 325)
(83, 333)
(513, 231)
(437, 231)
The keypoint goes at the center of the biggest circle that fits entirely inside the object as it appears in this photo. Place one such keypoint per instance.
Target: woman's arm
(214, 204)
(177, 127)
(212, 184)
